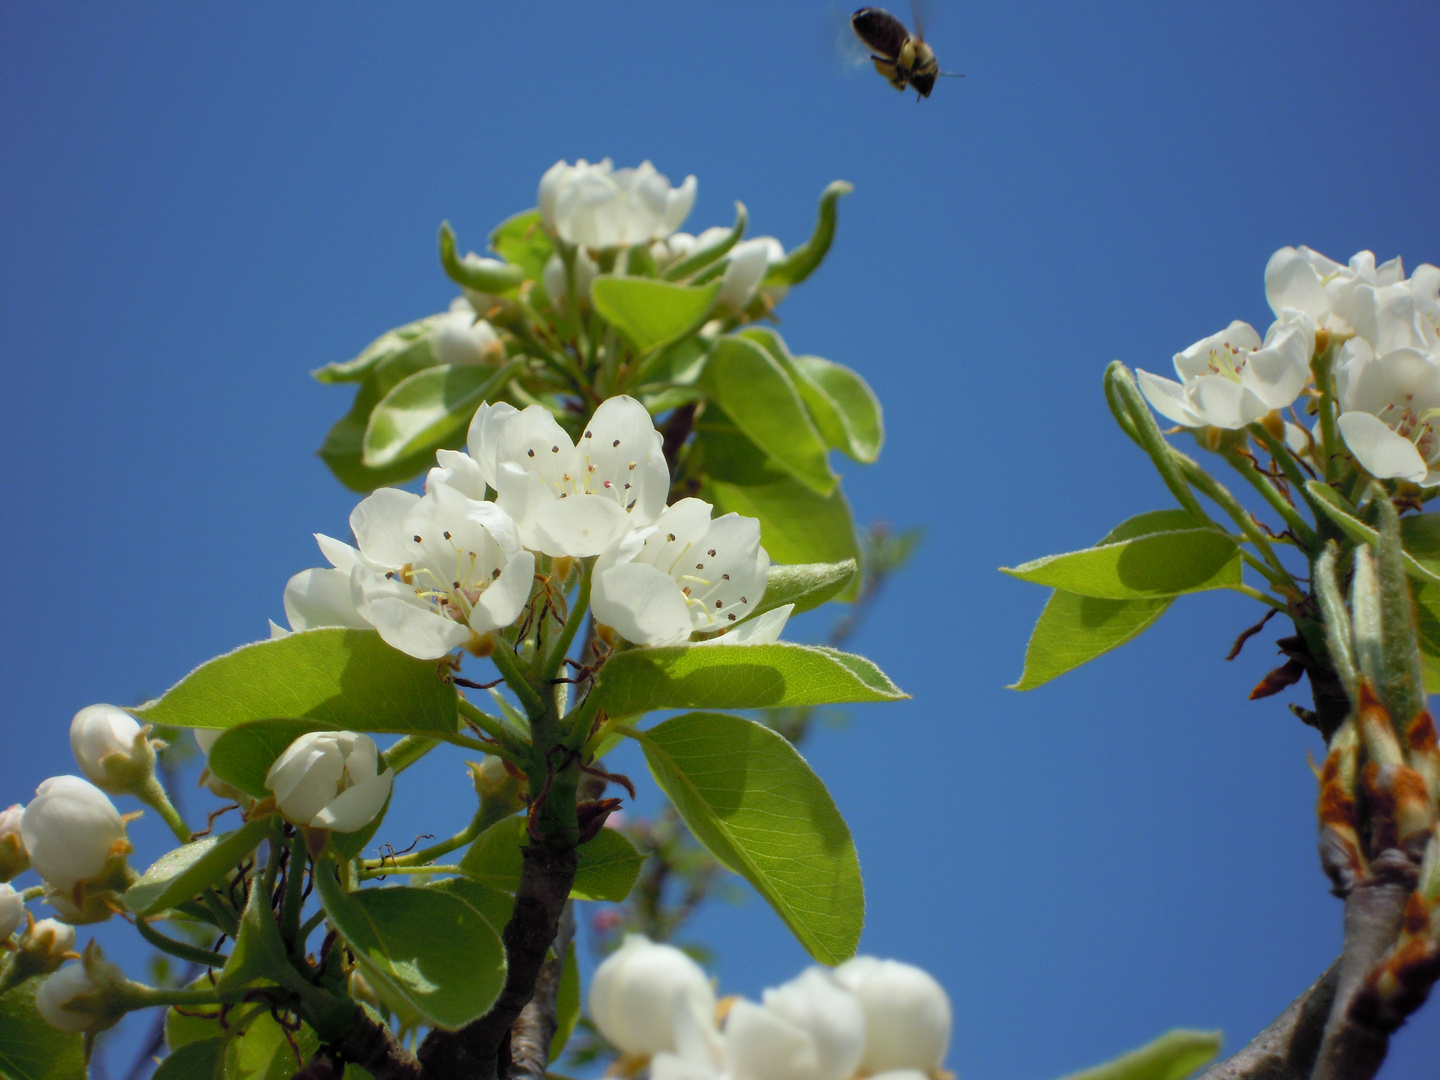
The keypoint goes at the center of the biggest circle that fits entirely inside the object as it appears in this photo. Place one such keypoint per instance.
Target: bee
(903, 58)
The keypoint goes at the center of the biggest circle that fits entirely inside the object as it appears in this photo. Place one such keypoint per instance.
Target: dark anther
(615, 443)
(417, 539)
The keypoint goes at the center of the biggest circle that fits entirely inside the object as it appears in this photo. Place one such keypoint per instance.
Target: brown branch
(375, 1048)
(531, 1036)
(1286, 1049)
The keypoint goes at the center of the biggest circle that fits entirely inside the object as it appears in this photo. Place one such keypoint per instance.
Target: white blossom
(644, 995)
(14, 859)
(460, 336)
(811, 1028)
(48, 944)
(569, 499)
(12, 911)
(557, 287)
(96, 733)
(1388, 410)
(907, 1014)
(57, 1003)
(1232, 378)
(330, 780)
(686, 573)
(599, 206)
(71, 830)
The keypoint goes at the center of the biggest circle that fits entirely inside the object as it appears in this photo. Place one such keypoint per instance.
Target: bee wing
(841, 41)
(881, 31)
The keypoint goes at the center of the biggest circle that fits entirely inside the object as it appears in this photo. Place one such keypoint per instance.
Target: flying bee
(903, 58)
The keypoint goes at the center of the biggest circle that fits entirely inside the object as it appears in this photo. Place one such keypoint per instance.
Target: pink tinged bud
(907, 1014)
(71, 830)
(97, 733)
(635, 991)
(14, 859)
(12, 911)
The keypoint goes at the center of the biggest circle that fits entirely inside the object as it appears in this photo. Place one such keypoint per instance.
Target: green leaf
(704, 256)
(264, 1052)
(749, 797)
(807, 585)
(494, 905)
(193, 1061)
(567, 1003)
(607, 869)
(430, 409)
(841, 404)
(1172, 1056)
(242, 756)
(30, 1049)
(186, 871)
(738, 677)
(345, 679)
(1339, 511)
(428, 947)
(1420, 536)
(522, 240)
(259, 951)
(796, 524)
(1427, 618)
(650, 313)
(1073, 630)
(763, 402)
(486, 279)
(1145, 567)
(387, 346)
(803, 260)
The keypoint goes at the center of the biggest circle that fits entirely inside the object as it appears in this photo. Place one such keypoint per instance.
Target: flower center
(1418, 427)
(451, 586)
(1228, 360)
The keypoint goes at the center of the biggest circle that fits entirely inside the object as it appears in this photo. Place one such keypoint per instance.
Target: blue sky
(202, 202)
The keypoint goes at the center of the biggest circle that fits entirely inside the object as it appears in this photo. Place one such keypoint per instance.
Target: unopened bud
(634, 993)
(14, 859)
(72, 832)
(12, 911)
(205, 738)
(88, 996)
(907, 1014)
(45, 946)
(111, 749)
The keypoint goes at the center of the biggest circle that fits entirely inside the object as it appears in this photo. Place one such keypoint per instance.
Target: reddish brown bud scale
(1287, 674)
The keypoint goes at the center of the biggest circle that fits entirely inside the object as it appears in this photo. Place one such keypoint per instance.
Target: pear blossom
(686, 573)
(907, 1014)
(1232, 378)
(1389, 405)
(568, 498)
(744, 270)
(599, 206)
(71, 831)
(643, 995)
(97, 732)
(12, 911)
(811, 1028)
(429, 574)
(14, 859)
(460, 336)
(331, 780)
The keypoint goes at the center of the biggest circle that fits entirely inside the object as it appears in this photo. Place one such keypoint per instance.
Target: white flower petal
(762, 629)
(579, 526)
(1168, 398)
(1382, 452)
(459, 471)
(321, 597)
(501, 604)
(483, 438)
(642, 604)
(1225, 404)
(378, 523)
(356, 806)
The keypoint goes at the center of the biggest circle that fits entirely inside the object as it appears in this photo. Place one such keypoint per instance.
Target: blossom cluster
(1386, 371)
(867, 1017)
(440, 571)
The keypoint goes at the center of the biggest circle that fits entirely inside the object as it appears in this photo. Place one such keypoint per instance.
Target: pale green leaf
(1145, 567)
(1173, 1056)
(1339, 511)
(430, 409)
(384, 348)
(607, 868)
(807, 585)
(193, 1061)
(749, 797)
(802, 261)
(30, 1049)
(651, 314)
(755, 392)
(344, 679)
(180, 874)
(427, 947)
(738, 677)
(523, 241)
(259, 950)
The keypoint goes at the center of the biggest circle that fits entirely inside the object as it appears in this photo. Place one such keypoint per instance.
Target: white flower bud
(59, 992)
(14, 859)
(12, 911)
(460, 338)
(640, 989)
(45, 946)
(71, 830)
(101, 732)
(907, 1014)
(205, 738)
(330, 780)
(811, 1028)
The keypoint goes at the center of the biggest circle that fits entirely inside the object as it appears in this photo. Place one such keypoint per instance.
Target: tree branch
(531, 1036)
(1285, 1050)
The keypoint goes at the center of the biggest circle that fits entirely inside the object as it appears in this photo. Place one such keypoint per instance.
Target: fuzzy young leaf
(430, 409)
(764, 403)
(650, 313)
(523, 241)
(487, 278)
(1173, 1056)
(429, 948)
(344, 679)
(180, 874)
(30, 1049)
(1145, 567)
(803, 260)
(739, 677)
(384, 348)
(807, 585)
(751, 799)
(1339, 511)
(607, 869)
